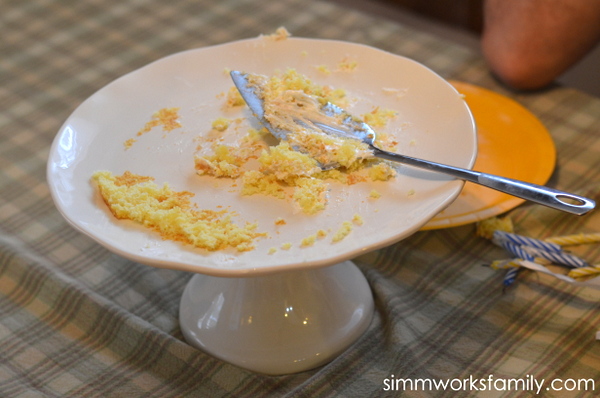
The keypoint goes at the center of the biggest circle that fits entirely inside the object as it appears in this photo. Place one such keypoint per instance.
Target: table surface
(79, 321)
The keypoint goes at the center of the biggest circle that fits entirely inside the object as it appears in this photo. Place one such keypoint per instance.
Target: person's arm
(528, 43)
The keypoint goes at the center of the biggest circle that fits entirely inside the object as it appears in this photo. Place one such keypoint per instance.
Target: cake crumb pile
(171, 214)
(283, 171)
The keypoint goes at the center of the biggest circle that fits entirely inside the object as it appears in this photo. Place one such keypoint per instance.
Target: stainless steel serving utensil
(352, 128)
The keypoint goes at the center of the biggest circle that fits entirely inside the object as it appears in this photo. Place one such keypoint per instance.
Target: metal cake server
(352, 128)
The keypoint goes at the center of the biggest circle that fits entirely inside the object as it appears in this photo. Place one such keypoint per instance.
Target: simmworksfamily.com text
(489, 383)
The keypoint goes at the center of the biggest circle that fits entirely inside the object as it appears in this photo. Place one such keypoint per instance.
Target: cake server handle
(546, 196)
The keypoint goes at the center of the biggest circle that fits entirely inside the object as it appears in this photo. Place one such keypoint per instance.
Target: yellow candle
(576, 239)
(584, 271)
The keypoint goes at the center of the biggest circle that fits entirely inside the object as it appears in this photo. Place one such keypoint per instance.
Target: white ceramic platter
(433, 122)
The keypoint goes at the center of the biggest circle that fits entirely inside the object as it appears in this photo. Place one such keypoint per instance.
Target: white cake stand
(277, 324)
(294, 309)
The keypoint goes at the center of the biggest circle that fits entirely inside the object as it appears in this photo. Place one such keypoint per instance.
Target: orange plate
(512, 143)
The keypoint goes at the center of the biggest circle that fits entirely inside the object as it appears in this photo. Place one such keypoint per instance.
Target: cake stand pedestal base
(283, 323)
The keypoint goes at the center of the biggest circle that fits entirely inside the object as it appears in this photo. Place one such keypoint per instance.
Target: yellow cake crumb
(347, 64)
(168, 118)
(221, 124)
(225, 162)
(329, 149)
(272, 250)
(324, 69)
(286, 246)
(344, 231)
(234, 98)
(280, 34)
(375, 194)
(228, 160)
(284, 162)
(171, 213)
(309, 194)
(357, 219)
(379, 117)
(292, 80)
(254, 182)
(308, 241)
(129, 143)
(386, 141)
(280, 221)
(381, 172)
(486, 228)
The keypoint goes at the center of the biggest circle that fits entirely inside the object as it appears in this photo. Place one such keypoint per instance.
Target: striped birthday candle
(516, 250)
(505, 264)
(557, 258)
(510, 277)
(584, 271)
(576, 239)
(525, 241)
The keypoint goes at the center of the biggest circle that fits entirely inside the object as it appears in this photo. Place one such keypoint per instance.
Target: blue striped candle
(516, 250)
(525, 241)
(510, 277)
(557, 258)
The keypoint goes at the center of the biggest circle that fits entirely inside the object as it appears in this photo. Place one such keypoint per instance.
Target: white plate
(433, 122)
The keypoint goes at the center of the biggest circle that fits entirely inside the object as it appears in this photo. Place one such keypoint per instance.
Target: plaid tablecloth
(79, 321)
